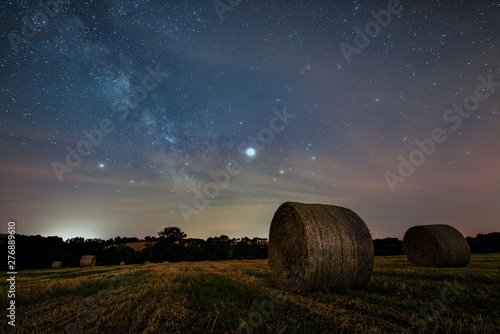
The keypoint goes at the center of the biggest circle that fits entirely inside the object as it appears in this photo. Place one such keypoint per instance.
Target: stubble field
(240, 297)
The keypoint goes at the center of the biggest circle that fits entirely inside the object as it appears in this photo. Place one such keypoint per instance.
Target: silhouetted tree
(169, 246)
(217, 248)
(388, 246)
(123, 253)
(76, 240)
(172, 234)
(194, 250)
(484, 243)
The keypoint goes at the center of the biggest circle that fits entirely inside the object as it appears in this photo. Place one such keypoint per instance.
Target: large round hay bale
(56, 265)
(313, 246)
(436, 246)
(88, 261)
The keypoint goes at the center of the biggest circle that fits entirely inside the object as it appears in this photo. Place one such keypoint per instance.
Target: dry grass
(219, 297)
(137, 246)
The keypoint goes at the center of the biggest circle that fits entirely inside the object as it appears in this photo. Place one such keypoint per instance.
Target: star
(250, 152)
(101, 166)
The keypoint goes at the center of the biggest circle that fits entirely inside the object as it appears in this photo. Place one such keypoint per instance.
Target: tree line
(172, 245)
(37, 252)
(481, 243)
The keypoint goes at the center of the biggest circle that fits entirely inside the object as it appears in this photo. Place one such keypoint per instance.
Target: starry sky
(124, 117)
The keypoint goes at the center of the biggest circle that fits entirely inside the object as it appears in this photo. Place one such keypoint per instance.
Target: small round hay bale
(122, 263)
(312, 246)
(146, 262)
(436, 246)
(56, 265)
(88, 261)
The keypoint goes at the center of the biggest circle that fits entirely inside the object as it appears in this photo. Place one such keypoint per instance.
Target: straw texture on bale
(436, 246)
(88, 261)
(56, 265)
(312, 246)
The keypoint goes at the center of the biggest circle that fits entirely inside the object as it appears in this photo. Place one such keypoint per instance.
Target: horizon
(230, 237)
(124, 118)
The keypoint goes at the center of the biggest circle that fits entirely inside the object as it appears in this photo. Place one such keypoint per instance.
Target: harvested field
(215, 297)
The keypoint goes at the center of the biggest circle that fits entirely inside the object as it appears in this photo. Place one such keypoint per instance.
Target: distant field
(137, 246)
(240, 296)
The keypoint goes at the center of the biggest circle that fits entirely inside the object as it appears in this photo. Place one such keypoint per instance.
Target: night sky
(124, 117)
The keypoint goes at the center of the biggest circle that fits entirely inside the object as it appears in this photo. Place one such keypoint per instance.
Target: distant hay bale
(436, 246)
(88, 261)
(312, 246)
(56, 265)
(122, 263)
(146, 262)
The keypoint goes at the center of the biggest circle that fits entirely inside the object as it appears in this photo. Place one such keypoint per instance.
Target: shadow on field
(225, 296)
(266, 276)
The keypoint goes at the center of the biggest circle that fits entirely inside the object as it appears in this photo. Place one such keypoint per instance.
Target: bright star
(101, 166)
(250, 152)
